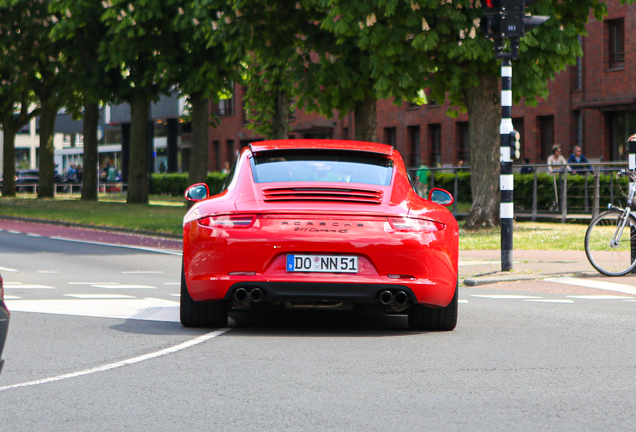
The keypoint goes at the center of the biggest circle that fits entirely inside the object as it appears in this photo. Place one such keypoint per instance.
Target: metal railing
(570, 195)
(74, 188)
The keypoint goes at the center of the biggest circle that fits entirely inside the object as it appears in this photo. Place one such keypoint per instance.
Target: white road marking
(503, 296)
(172, 283)
(113, 286)
(34, 235)
(10, 297)
(24, 286)
(100, 296)
(6, 269)
(606, 286)
(551, 301)
(176, 348)
(47, 271)
(179, 295)
(141, 272)
(93, 283)
(163, 251)
(147, 309)
(459, 301)
(600, 297)
(14, 232)
(476, 263)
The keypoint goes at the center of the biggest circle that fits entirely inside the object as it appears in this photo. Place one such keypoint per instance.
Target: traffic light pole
(506, 183)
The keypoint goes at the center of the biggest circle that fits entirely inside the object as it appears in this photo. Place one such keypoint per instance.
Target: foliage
(176, 184)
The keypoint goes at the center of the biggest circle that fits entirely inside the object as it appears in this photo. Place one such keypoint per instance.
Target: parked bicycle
(610, 240)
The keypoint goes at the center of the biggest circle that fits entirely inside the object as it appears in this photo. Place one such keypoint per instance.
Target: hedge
(175, 184)
(524, 184)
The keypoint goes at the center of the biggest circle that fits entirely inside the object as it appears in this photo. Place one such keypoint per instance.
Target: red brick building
(592, 105)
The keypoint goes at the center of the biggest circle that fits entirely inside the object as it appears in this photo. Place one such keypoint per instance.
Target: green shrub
(175, 184)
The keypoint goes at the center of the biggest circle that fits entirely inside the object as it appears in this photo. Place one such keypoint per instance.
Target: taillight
(228, 221)
(406, 224)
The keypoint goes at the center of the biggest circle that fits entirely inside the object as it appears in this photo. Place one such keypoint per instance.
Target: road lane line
(34, 235)
(6, 269)
(47, 271)
(130, 361)
(606, 286)
(118, 286)
(600, 297)
(551, 301)
(22, 286)
(502, 296)
(141, 272)
(163, 251)
(100, 296)
(93, 283)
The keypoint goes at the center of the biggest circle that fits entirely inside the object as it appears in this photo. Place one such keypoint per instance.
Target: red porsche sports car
(324, 223)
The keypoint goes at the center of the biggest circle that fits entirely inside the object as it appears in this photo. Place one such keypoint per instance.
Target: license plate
(322, 263)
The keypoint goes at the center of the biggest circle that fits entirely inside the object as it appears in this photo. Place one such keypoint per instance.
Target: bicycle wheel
(610, 257)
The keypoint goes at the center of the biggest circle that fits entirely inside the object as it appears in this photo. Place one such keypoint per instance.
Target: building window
(226, 106)
(546, 131)
(217, 154)
(414, 146)
(413, 105)
(435, 136)
(463, 138)
(244, 118)
(622, 126)
(230, 152)
(345, 133)
(390, 136)
(616, 42)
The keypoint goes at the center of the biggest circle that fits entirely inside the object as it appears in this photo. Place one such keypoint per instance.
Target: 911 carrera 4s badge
(322, 263)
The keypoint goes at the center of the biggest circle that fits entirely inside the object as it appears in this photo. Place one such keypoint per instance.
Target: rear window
(309, 166)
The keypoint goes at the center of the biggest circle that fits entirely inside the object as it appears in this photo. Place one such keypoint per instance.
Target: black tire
(422, 318)
(609, 259)
(201, 314)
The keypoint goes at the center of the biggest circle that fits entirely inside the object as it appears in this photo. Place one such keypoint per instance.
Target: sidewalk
(484, 266)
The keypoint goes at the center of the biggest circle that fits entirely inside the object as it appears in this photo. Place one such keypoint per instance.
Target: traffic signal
(507, 19)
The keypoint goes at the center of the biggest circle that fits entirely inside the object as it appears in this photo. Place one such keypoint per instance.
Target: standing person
(79, 173)
(70, 174)
(576, 158)
(555, 159)
(421, 181)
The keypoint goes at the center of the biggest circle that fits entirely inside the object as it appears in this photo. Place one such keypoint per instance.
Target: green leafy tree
(17, 101)
(141, 45)
(81, 31)
(461, 65)
(204, 69)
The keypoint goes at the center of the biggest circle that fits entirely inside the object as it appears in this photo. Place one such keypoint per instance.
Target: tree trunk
(90, 176)
(280, 122)
(46, 187)
(366, 119)
(8, 177)
(485, 115)
(198, 172)
(138, 178)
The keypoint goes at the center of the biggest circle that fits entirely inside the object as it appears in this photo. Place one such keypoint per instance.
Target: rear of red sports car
(319, 223)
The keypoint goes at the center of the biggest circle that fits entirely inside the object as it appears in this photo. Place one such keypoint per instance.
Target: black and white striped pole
(506, 183)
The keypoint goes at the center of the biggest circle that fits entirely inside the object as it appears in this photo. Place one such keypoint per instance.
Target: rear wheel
(201, 314)
(422, 318)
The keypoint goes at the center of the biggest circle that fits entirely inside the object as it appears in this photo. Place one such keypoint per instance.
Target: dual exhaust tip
(398, 301)
(243, 296)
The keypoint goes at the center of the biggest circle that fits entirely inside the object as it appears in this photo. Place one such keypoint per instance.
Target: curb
(477, 282)
(93, 227)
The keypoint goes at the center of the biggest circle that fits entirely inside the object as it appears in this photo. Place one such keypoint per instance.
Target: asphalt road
(94, 345)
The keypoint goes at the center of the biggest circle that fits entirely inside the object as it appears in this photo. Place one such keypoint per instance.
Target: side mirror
(197, 192)
(441, 197)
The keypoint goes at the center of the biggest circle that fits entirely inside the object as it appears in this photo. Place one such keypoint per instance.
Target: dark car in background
(4, 322)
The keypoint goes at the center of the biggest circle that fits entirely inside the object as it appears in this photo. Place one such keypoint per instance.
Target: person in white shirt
(556, 158)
